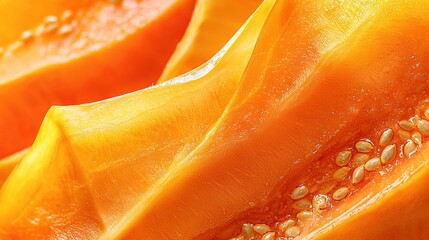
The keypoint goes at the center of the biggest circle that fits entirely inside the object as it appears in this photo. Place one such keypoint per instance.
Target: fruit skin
(101, 69)
(213, 23)
(66, 148)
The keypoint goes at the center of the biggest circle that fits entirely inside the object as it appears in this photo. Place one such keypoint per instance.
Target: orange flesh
(52, 69)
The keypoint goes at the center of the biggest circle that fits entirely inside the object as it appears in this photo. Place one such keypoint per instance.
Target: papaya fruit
(101, 51)
(326, 128)
(213, 23)
(18, 16)
(77, 201)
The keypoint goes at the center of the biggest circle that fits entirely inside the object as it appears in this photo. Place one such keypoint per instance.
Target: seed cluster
(352, 165)
(60, 26)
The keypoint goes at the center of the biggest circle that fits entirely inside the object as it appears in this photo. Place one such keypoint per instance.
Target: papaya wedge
(85, 204)
(98, 52)
(213, 23)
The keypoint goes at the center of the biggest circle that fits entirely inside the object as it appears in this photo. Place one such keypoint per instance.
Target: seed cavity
(360, 158)
(409, 148)
(364, 146)
(303, 215)
(406, 125)
(293, 231)
(261, 228)
(388, 153)
(403, 135)
(343, 158)
(373, 164)
(340, 193)
(302, 204)
(341, 173)
(358, 175)
(299, 192)
(423, 127)
(386, 137)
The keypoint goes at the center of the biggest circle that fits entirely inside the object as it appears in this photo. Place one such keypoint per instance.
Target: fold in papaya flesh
(8, 164)
(213, 23)
(101, 156)
(18, 16)
(314, 88)
(102, 51)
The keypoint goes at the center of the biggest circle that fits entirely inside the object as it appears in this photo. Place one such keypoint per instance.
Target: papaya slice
(70, 173)
(99, 52)
(19, 16)
(213, 23)
(292, 114)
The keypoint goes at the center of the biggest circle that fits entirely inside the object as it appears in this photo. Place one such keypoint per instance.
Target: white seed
(65, 30)
(269, 236)
(238, 238)
(284, 225)
(409, 148)
(388, 153)
(261, 228)
(423, 127)
(247, 229)
(293, 231)
(364, 146)
(326, 188)
(417, 138)
(319, 202)
(403, 135)
(386, 137)
(340, 193)
(373, 164)
(406, 125)
(27, 36)
(360, 158)
(358, 175)
(302, 204)
(426, 113)
(343, 158)
(299, 192)
(50, 24)
(303, 215)
(66, 15)
(341, 173)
